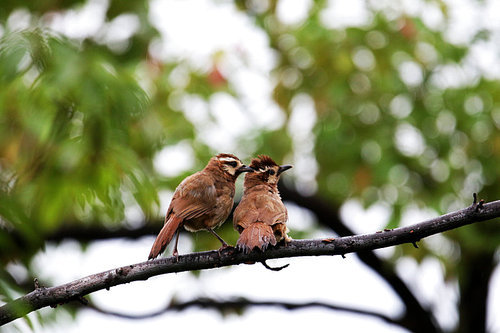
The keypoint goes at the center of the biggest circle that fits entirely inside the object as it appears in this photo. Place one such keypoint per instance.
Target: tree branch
(238, 305)
(96, 231)
(416, 316)
(474, 287)
(75, 290)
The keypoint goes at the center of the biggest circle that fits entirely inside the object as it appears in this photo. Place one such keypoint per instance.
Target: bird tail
(165, 236)
(259, 235)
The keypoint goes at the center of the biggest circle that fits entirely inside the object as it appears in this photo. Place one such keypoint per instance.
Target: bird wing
(195, 196)
(271, 210)
(245, 213)
(258, 207)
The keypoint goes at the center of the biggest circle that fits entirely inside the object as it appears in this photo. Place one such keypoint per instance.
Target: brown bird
(202, 201)
(261, 216)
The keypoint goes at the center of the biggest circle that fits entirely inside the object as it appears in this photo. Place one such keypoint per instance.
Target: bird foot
(224, 247)
(477, 205)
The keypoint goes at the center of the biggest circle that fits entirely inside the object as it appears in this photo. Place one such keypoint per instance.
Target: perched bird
(261, 216)
(202, 201)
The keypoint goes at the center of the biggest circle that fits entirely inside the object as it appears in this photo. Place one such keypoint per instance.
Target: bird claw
(477, 205)
(224, 247)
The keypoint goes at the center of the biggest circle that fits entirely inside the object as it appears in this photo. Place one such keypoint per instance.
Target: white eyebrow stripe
(227, 159)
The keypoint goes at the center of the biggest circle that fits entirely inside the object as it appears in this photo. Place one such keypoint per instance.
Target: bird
(261, 216)
(202, 201)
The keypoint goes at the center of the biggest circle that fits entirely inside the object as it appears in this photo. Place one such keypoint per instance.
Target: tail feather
(165, 236)
(258, 235)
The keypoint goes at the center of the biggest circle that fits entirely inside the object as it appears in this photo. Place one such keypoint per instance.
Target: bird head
(266, 170)
(231, 165)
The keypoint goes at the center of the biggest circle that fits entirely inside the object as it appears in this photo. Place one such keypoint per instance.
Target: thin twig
(238, 304)
(276, 269)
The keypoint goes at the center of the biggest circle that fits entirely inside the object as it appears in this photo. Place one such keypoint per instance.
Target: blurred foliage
(81, 123)
(72, 137)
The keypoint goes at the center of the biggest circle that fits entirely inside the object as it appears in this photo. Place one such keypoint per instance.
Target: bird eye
(233, 164)
(271, 172)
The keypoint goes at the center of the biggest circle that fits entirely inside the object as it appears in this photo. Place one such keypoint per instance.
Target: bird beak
(283, 168)
(244, 168)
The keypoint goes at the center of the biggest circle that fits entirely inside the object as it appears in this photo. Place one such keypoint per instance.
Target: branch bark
(75, 290)
(474, 287)
(416, 317)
